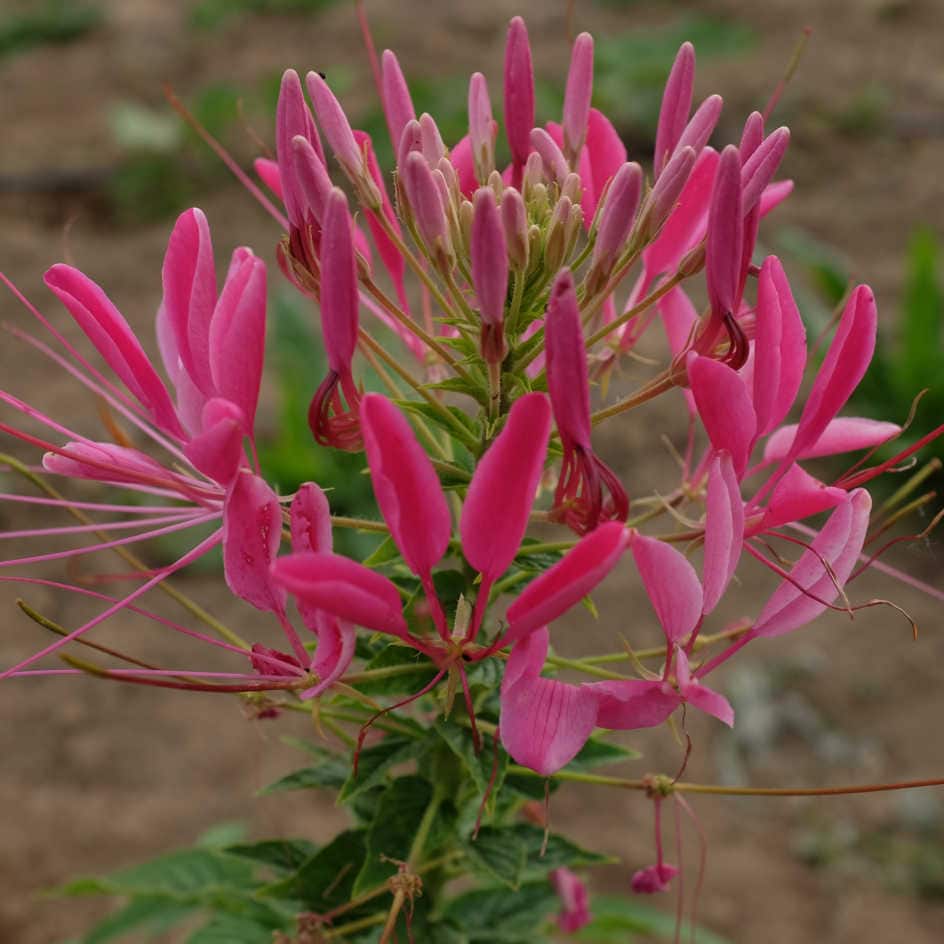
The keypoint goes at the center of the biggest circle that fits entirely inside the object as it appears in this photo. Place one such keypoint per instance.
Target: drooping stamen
(332, 421)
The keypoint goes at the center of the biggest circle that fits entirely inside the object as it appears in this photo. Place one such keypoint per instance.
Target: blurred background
(94, 167)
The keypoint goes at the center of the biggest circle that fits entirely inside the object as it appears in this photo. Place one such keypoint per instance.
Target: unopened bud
(557, 232)
(433, 147)
(572, 188)
(425, 197)
(481, 128)
(533, 173)
(515, 225)
(577, 97)
(554, 161)
(489, 257)
(665, 193)
(761, 166)
(397, 104)
(497, 184)
(519, 91)
(699, 129)
(615, 222)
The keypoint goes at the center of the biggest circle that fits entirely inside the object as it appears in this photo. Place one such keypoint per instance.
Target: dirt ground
(94, 776)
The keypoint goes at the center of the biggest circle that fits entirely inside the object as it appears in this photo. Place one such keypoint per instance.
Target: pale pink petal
(112, 336)
(635, 703)
(397, 104)
(577, 95)
(498, 502)
(344, 588)
(724, 529)
(574, 899)
(237, 334)
(252, 533)
(405, 484)
(575, 575)
(671, 583)
(336, 643)
(839, 543)
(267, 171)
(544, 723)
(700, 696)
(846, 434)
(463, 160)
(725, 408)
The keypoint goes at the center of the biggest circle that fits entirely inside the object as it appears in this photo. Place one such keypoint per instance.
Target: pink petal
(218, 450)
(574, 898)
(519, 91)
(252, 533)
(839, 543)
(724, 529)
(426, 202)
(577, 95)
(311, 182)
(635, 703)
(544, 723)
(498, 503)
(339, 298)
(676, 105)
(723, 250)
(189, 277)
(796, 496)
(292, 118)
(725, 408)
(397, 104)
(334, 124)
(310, 520)
(664, 196)
(618, 215)
(653, 879)
(344, 588)
(462, 159)
(567, 378)
(336, 643)
(104, 462)
(555, 164)
(671, 583)
(846, 434)
(779, 348)
(237, 334)
(406, 485)
(575, 575)
(112, 336)
(267, 171)
(700, 696)
(760, 167)
(605, 154)
(482, 126)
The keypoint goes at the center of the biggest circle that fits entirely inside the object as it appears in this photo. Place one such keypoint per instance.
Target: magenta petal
(653, 879)
(405, 484)
(671, 583)
(846, 434)
(189, 278)
(839, 543)
(519, 91)
(700, 696)
(574, 900)
(635, 703)
(725, 235)
(310, 520)
(725, 408)
(758, 170)
(796, 496)
(489, 257)
(217, 451)
(344, 588)
(110, 333)
(336, 643)
(237, 334)
(574, 576)
(252, 533)
(339, 297)
(567, 378)
(292, 118)
(498, 502)
(605, 153)
(544, 723)
(267, 171)
(724, 529)
(779, 348)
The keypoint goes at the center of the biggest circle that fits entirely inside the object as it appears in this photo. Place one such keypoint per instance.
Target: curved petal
(344, 588)
(846, 434)
(700, 696)
(568, 581)
(217, 451)
(405, 484)
(310, 520)
(544, 722)
(724, 529)
(798, 495)
(635, 703)
(671, 583)
(336, 642)
(498, 502)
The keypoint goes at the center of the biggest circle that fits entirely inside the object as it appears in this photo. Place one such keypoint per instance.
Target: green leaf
(385, 552)
(328, 775)
(478, 766)
(499, 854)
(154, 914)
(230, 929)
(493, 915)
(285, 855)
(396, 656)
(391, 834)
(597, 752)
(559, 851)
(921, 359)
(375, 762)
(221, 835)
(326, 879)
(614, 918)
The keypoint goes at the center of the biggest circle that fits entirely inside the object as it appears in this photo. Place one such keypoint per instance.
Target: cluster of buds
(520, 271)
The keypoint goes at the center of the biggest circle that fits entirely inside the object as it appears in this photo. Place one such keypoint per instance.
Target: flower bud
(577, 97)
(616, 221)
(425, 199)
(481, 128)
(497, 184)
(489, 257)
(752, 135)
(572, 188)
(519, 91)
(411, 139)
(312, 179)
(551, 155)
(515, 225)
(760, 167)
(557, 233)
(433, 147)
(666, 192)
(725, 234)
(676, 104)
(699, 129)
(397, 104)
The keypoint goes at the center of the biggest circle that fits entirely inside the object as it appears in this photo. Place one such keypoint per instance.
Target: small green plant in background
(25, 26)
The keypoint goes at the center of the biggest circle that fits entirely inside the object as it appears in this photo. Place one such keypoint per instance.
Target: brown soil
(96, 776)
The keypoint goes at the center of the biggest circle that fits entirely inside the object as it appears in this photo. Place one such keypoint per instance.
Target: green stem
(359, 524)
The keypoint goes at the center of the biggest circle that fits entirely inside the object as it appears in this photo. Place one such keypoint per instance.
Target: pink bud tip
(335, 125)
(551, 155)
(667, 189)
(431, 140)
(426, 203)
(515, 223)
(519, 91)
(411, 139)
(676, 104)
(397, 104)
(313, 182)
(577, 96)
(699, 129)
(489, 257)
(760, 167)
(481, 127)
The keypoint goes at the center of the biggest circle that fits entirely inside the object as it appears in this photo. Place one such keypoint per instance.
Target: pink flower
(653, 879)
(572, 892)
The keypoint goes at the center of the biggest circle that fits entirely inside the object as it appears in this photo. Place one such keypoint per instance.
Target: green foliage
(621, 920)
(211, 14)
(27, 26)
